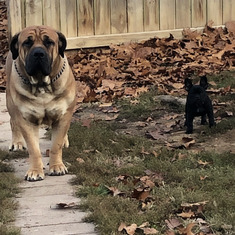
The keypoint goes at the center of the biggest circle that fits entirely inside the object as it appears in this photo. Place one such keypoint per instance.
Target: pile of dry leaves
(4, 43)
(128, 69)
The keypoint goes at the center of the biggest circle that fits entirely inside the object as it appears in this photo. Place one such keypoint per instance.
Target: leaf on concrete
(61, 205)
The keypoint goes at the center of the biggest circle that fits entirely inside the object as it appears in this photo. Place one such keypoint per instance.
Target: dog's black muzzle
(38, 62)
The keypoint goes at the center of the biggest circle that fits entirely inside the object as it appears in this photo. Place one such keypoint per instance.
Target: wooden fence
(92, 23)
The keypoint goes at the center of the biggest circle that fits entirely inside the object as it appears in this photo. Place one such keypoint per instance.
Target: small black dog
(198, 103)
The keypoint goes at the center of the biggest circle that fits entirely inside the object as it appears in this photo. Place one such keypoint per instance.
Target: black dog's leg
(210, 115)
(211, 118)
(189, 123)
(203, 120)
(186, 115)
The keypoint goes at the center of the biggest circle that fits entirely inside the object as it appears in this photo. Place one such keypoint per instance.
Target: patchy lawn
(8, 190)
(139, 173)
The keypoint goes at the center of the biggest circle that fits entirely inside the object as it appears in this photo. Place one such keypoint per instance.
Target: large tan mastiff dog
(40, 90)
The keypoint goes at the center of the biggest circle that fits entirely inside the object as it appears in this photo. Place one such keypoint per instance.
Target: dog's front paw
(58, 169)
(204, 122)
(189, 131)
(212, 124)
(34, 175)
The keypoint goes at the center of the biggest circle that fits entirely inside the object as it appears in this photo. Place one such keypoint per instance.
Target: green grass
(145, 106)
(139, 108)
(107, 162)
(100, 156)
(107, 155)
(8, 190)
(224, 79)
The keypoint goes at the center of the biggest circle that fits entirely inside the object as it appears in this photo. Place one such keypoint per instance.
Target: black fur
(62, 43)
(14, 46)
(198, 103)
(38, 62)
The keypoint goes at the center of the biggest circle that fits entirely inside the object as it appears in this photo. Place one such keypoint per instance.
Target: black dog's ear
(14, 46)
(62, 43)
(188, 84)
(203, 82)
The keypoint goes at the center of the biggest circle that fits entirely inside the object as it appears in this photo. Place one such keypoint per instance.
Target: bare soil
(164, 127)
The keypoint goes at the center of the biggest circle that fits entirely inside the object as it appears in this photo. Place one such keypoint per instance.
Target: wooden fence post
(14, 17)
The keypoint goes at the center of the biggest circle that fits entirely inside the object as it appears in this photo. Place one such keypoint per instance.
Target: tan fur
(30, 105)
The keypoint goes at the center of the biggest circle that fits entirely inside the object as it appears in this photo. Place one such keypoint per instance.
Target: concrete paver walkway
(37, 213)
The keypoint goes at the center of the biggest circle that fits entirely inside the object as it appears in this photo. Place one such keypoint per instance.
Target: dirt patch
(163, 126)
(223, 143)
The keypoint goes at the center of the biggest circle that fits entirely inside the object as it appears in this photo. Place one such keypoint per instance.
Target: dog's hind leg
(211, 118)
(18, 142)
(30, 133)
(203, 120)
(210, 114)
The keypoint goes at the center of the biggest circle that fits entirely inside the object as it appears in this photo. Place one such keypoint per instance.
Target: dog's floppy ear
(14, 46)
(62, 43)
(203, 82)
(188, 84)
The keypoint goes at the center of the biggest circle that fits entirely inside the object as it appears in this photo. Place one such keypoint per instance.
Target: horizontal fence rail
(93, 23)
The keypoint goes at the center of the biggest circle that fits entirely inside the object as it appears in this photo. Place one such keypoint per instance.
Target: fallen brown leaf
(173, 223)
(80, 160)
(86, 122)
(131, 229)
(149, 231)
(114, 191)
(141, 193)
(200, 162)
(188, 142)
(188, 229)
(156, 134)
(203, 177)
(189, 214)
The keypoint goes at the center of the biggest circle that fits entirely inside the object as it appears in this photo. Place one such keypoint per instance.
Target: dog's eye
(48, 43)
(28, 43)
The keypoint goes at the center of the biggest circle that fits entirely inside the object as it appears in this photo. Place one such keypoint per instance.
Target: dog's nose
(39, 53)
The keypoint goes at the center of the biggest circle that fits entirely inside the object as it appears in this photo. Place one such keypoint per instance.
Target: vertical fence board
(183, 14)
(151, 15)
(135, 16)
(199, 13)
(51, 16)
(118, 16)
(68, 17)
(23, 14)
(85, 17)
(14, 16)
(77, 18)
(102, 17)
(214, 11)
(228, 10)
(33, 12)
(167, 14)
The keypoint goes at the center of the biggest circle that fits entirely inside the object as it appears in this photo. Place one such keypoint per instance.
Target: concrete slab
(5, 136)
(63, 229)
(37, 200)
